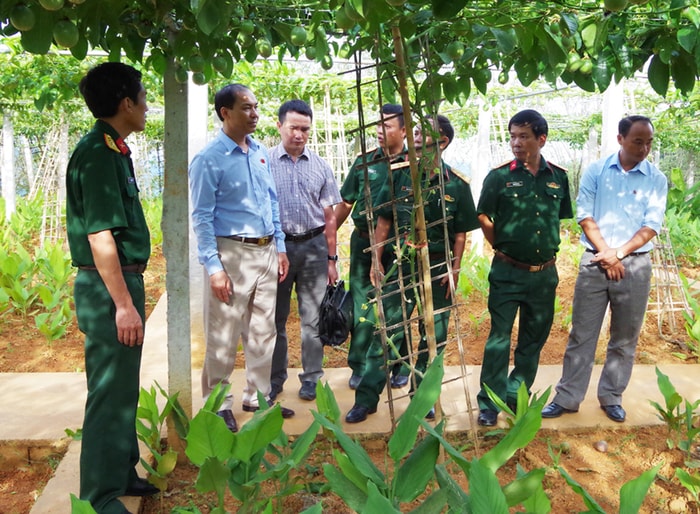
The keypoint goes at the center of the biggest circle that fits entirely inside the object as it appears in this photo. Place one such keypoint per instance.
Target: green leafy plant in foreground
(241, 462)
(679, 416)
(365, 488)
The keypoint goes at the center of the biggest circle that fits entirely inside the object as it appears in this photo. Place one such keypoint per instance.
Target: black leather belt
(260, 241)
(295, 238)
(127, 268)
(532, 268)
(362, 234)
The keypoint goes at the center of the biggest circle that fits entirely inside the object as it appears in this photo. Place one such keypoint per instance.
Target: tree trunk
(8, 165)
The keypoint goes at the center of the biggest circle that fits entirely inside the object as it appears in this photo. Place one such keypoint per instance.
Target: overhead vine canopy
(586, 42)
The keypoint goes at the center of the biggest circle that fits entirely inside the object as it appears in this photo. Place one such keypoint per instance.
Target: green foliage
(149, 425)
(474, 274)
(692, 319)
(80, 506)
(678, 414)
(585, 45)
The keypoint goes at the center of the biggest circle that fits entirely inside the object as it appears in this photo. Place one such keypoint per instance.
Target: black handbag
(336, 315)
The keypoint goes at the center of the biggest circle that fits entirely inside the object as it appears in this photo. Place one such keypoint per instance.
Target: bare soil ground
(631, 450)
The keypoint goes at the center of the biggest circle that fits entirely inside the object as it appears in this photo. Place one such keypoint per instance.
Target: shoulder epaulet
(460, 174)
(119, 146)
(399, 165)
(506, 163)
(369, 151)
(553, 165)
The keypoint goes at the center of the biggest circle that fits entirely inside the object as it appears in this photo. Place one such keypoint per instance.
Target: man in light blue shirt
(235, 216)
(620, 207)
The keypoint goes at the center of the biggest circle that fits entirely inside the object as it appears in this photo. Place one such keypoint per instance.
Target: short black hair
(531, 118)
(395, 109)
(298, 106)
(226, 97)
(444, 127)
(107, 84)
(623, 128)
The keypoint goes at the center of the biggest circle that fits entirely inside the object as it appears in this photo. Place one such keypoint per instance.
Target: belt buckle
(264, 240)
(536, 268)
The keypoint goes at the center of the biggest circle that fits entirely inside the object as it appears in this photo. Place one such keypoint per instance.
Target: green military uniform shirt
(101, 194)
(526, 209)
(459, 206)
(353, 189)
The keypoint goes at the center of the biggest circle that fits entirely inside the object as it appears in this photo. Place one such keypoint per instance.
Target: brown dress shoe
(229, 419)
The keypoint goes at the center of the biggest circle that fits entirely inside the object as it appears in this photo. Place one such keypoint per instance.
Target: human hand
(332, 272)
(376, 274)
(221, 286)
(129, 326)
(283, 266)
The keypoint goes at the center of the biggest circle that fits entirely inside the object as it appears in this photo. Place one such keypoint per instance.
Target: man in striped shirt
(307, 192)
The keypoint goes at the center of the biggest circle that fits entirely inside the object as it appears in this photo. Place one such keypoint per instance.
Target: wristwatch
(332, 257)
(620, 254)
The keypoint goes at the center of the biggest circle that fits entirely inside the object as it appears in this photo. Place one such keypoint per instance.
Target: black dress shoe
(354, 381)
(487, 417)
(554, 410)
(359, 413)
(228, 419)
(614, 412)
(308, 390)
(430, 414)
(286, 413)
(399, 381)
(141, 487)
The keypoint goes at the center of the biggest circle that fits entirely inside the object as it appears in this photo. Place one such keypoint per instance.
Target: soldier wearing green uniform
(519, 210)
(110, 245)
(390, 135)
(459, 217)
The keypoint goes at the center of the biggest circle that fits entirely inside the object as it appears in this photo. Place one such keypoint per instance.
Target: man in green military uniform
(110, 244)
(458, 218)
(519, 210)
(390, 135)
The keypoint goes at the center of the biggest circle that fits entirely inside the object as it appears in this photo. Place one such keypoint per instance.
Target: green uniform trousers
(363, 313)
(374, 379)
(533, 293)
(109, 450)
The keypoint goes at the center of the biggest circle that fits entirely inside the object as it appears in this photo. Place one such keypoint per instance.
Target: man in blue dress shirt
(620, 207)
(240, 243)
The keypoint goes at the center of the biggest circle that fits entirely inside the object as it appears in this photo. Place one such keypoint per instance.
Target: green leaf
(80, 506)
(357, 455)
(692, 13)
(213, 476)
(434, 503)
(404, 438)
(208, 16)
(457, 499)
(526, 70)
(447, 9)
(592, 505)
(350, 471)
(506, 39)
(658, 74)
(523, 431)
(633, 492)
(523, 487)
(326, 402)
(683, 71)
(486, 494)
(377, 502)
(415, 472)
(208, 437)
(167, 463)
(687, 38)
(537, 502)
(668, 390)
(690, 482)
(257, 433)
(603, 69)
(588, 35)
(344, 488)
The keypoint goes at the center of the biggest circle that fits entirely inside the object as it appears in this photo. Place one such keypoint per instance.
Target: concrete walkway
(37, 408)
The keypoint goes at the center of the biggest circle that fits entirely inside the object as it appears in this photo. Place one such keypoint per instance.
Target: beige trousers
(249, 317)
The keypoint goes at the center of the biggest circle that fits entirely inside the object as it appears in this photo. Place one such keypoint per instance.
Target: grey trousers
(628, 302)
(308, 275)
